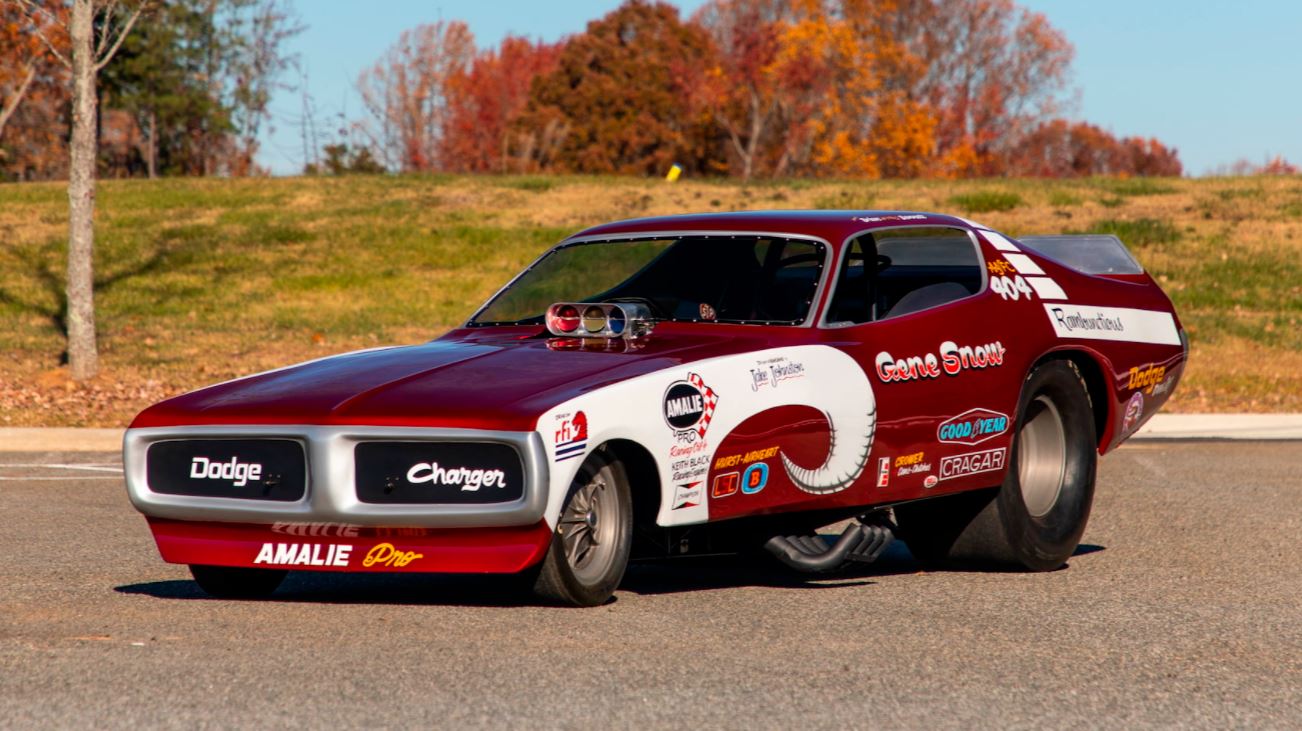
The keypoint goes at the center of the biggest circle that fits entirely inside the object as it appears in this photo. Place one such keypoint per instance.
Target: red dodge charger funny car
(684, 385)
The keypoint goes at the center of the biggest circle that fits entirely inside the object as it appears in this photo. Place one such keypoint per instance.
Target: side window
(895, 272)
(921, 268)
(852, 302)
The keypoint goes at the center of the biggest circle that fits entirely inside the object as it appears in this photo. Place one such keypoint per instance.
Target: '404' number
(1010, 288)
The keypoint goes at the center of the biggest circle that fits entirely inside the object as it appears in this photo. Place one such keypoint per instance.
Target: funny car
(685, 385)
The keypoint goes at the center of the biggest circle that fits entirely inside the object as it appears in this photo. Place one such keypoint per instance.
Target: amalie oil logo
(689, 407)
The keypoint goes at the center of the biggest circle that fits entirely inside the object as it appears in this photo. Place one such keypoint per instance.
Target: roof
(832, 226)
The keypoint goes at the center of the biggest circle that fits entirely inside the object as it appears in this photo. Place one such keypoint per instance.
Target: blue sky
(1218, 80)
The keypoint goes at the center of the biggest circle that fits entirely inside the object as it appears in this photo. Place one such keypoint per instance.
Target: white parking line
(65, 479)
(76, 471)
(89, 466)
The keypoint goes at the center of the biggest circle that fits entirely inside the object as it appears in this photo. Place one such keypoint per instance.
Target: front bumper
(336, 547)
(331, 494)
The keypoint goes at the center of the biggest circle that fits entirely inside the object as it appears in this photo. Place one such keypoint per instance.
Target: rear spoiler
(1088, 253)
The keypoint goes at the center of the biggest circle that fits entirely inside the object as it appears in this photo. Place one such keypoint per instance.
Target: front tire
(590, 547)
(1036, 517)
(229, 582)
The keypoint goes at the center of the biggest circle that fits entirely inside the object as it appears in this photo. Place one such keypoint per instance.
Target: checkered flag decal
(710, 399)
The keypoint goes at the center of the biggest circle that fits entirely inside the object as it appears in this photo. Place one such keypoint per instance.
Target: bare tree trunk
(151, 149)
(83, 357)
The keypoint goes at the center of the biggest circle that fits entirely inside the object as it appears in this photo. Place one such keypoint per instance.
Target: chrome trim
(828, 250)
(331, 495)
(834, 278)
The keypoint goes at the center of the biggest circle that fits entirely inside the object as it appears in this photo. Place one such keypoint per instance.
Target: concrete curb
(1222, 426)
(1161, 426)
(60, 439)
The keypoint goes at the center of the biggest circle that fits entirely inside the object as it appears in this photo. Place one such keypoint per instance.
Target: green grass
(1136, 233)
(985, 201)
(1133, 187)
(1063, 199)
(200, 280)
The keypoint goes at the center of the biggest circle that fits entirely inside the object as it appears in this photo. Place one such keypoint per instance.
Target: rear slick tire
(594, 535)
(1036, 518)
(229, 582)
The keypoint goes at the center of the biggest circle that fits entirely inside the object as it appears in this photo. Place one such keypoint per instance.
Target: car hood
(468, 379)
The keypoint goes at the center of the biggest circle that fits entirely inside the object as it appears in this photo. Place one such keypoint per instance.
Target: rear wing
(1088, 253)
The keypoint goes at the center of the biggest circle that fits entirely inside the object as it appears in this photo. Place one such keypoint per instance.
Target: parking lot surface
(1182, 607)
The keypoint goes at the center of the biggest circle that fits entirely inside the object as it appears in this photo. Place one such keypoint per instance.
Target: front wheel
(228, 582)
(1036, 518)
(590, 547)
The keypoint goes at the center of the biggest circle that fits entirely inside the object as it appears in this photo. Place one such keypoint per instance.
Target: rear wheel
(228, 582)
(590, 548)
(1035, 519)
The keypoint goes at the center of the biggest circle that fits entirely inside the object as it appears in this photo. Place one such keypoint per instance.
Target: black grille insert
(452, 473)
(251, 469)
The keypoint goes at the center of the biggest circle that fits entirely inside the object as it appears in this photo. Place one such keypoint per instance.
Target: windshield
(736, 279)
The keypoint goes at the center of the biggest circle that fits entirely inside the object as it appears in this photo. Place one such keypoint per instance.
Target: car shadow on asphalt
(644, 578)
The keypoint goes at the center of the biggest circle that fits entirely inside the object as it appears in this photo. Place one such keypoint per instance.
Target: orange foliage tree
(743, 90)
(994, 72)
(1061, 149)
(625, 97)
(814, 88)
(753, 88)
(33, 92)
(484, 100)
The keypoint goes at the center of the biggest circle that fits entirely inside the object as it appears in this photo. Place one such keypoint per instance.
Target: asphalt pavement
(1183, 607)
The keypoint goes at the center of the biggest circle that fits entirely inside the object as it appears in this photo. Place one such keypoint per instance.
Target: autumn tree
(622, 97)
(1062, 149)
(745, 92)
(817, 88)
(1276, 165)
(405, 94)
(994, 71)
(484, 100)
(32, 88)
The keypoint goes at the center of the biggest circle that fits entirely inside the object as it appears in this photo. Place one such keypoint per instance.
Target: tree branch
(12, 104)
(106, 28)
(31, 10)
(122, 35)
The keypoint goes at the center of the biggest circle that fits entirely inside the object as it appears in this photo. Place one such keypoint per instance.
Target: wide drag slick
(681, 385)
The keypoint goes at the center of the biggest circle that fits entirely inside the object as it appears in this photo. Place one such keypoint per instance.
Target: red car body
(944, 386)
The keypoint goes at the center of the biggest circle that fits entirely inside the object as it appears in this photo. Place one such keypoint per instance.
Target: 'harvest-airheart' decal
(852, 440)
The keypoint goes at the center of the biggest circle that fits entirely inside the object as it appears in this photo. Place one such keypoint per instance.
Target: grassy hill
(202, 280)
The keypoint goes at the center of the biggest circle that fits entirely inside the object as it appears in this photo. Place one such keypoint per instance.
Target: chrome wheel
(588, 529)
(1041, 456)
